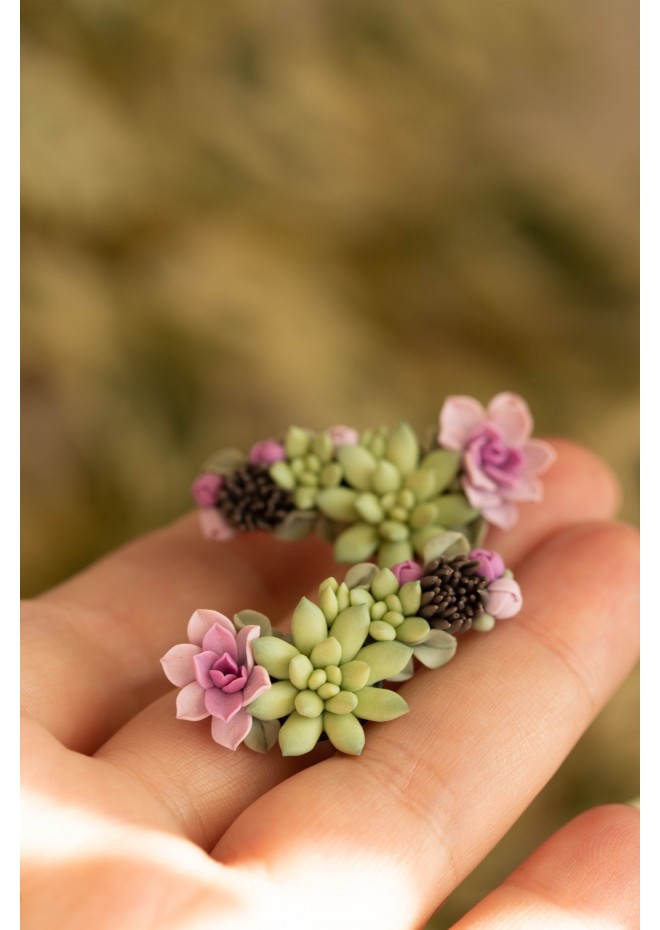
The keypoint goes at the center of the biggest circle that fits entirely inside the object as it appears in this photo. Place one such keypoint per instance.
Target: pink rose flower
(344, 436)
(407, 571)
(217, 675)
(491, 564)
(205, 489)
(501, 463)
(504, 598)
(266, 452)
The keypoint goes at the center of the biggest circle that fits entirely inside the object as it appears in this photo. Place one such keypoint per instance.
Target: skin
(134, 819)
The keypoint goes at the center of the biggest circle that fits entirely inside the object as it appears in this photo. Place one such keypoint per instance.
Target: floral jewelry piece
(331, 673)
(380, 493)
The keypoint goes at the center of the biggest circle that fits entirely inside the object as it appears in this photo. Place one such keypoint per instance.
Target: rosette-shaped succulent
(325, 679)
(217, 675)
(394, 498)
(395, 611)
(309, 464)
(500, 464)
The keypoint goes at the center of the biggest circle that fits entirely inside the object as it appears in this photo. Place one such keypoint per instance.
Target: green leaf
(405, 674)
(262, 735)
(380, 704)
(413, 630)
(327, 652)
(328, 604)
(445, 545)
(253, 618)
(356, 543)
(368, 507)
(358, 464)
(384, 583)
(308, 626)
(323, 446)
(484, 623)
(454, 510)
(277, 702)
(403, 448)
(437, 650)
(350, 629)
(282, 475)
(423, 483)
(445, 464)
(298, 524)
(274, 655)
(410, 595)
(354, 675)
(384, 659)
(342, 703)
(296, 442)
(391, 553)
(299, 734)
(386, 477)
(338, 503)
(344, 732)
(421, 538)
(360, 575)
(304, 497)
(423, 515)
(393, 531)
(300, 668)
(225, 461)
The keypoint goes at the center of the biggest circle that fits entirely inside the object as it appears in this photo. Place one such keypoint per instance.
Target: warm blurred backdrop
(242, 215)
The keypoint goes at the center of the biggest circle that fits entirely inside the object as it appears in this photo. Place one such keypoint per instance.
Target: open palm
(134, 819)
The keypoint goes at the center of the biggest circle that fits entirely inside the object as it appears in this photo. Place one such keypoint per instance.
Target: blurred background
(243, 215)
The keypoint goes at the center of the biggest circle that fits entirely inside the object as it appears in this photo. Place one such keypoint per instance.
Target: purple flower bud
(344, 436)
(407, 571)
(206, 488)
(504, 598)
(266, 452)
(491, 564)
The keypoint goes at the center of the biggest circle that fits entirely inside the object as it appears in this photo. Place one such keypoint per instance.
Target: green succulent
(395, 502)
(324, 679)
(310, 466)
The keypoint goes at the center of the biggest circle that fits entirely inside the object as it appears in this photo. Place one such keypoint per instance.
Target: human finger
(399, 827)
(90, 647)
(586, 875)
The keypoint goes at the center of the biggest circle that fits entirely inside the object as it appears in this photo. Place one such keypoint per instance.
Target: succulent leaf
(391, 553)
(262, 735)
(445, 464)
(327, 652)
(384, 659)
(253, 618)
(274, 655)
(350, 629)
(437, 650)
(277, 702)
(282, 475)
(308, 626)
(338, 503)
(224, 461)
(445, 545)
(368, 507)
(414, 630)
(410, 595)
(296, 442)
(298, 524)
(300, 668)
(360, 575)
(354, 675)
(358, 464)
(344, 732)
(356, 543)
(402, 448)
(380, 704)
(454, 510)
(386, 477)
(299, 734)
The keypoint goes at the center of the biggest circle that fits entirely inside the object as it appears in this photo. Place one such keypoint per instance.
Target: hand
(137, 820)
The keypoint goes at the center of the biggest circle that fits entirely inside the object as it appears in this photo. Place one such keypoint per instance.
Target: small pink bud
(407, 571)
(206, 488)
(266, 452)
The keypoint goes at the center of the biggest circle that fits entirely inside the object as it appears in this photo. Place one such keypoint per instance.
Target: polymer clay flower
(500, 463)
(325, 679)
(217, 675)
(393, 498)
(266, 452)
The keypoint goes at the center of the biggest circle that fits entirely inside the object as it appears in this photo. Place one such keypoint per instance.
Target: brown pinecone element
(453, 593)
(250, 500)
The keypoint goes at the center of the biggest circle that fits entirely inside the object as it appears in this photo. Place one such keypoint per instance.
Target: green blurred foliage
(243, 215)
